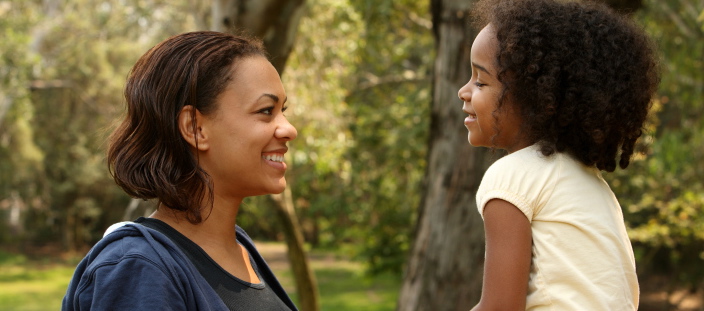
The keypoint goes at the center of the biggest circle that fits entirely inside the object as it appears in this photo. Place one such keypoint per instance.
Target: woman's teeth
(274, 157)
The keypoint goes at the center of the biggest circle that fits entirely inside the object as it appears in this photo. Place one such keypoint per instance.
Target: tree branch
(679, 22)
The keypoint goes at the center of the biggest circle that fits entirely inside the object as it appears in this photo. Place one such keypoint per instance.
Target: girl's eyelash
(284, 109)
(478, 84)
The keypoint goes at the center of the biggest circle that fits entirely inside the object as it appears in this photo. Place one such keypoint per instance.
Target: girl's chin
(473, 142)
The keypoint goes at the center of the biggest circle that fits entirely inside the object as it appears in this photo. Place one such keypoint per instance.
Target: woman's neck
(216, 235)
(217, 228)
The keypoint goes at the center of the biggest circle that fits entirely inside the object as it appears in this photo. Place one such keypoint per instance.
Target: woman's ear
(189, 124)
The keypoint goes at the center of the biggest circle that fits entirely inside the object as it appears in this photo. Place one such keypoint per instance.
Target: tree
(275, 21)
(20, 158)
(79, 52)
(446, 262)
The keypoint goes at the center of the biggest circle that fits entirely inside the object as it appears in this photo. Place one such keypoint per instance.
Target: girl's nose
(464, 94)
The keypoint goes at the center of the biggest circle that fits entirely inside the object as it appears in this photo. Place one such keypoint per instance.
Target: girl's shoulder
(523, 178)
(530, 166)
(525, 161)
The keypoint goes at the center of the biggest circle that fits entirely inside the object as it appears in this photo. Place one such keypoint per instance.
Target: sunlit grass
(346, 287)
(342, 283)
(27, 285)
(350, 290)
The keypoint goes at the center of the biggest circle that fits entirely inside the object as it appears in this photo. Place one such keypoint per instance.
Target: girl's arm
(508, 257)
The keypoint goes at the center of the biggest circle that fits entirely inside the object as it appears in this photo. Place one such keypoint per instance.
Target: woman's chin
(280, 187)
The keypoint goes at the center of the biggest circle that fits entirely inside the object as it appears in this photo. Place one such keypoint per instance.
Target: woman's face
(245, 137)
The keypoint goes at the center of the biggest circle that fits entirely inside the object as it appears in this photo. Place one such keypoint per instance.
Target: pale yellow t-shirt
(582, 257)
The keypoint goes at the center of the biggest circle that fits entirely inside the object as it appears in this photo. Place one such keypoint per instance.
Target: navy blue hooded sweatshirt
(125, 269)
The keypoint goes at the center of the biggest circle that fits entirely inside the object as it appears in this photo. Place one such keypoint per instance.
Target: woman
(204, 129)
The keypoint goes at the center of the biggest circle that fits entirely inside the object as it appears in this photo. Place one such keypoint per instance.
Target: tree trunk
(445, 268)
(305, 280)
(276, 23)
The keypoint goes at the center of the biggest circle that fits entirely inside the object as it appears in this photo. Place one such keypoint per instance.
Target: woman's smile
(275, 159)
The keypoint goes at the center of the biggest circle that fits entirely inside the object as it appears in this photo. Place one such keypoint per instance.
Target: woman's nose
(285, 130)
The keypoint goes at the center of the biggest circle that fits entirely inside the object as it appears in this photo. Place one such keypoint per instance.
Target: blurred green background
(359, 87)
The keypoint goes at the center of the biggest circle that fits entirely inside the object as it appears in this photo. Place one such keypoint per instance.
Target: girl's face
(488, 127)
(244, 140)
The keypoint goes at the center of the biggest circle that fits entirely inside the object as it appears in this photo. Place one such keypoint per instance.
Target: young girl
(565, 88)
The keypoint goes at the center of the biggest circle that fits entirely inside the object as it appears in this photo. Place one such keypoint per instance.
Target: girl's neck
(518, 145)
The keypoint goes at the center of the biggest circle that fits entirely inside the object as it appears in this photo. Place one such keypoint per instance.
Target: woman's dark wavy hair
(147, 156)
(581, 76)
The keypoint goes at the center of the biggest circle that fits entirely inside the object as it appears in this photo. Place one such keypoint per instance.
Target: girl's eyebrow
(480, 67)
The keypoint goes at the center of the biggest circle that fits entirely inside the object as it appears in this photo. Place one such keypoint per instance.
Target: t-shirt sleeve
(523, 179)
(132, 283)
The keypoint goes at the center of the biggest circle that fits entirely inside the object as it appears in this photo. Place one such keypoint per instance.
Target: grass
(344, 286)
(32, 284)
(28, 285)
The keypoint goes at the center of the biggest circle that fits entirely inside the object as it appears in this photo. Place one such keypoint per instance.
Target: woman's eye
(284, 109)
(267, 111)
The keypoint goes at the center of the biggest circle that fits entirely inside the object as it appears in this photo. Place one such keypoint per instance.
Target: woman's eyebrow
(273, 97)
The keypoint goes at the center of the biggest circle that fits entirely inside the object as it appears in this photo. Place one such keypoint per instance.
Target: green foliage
(20, 154)
(663, 193)
(360, 99)
(391, 113)
(20, 158)
(63, 70)
(317, 76)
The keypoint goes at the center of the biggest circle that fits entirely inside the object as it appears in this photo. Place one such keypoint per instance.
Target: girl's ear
(192, 130)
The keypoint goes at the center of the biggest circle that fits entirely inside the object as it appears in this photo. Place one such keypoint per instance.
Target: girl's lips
(469, 119)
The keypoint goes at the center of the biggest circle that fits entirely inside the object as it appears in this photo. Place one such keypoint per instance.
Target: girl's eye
(479, 84)
(284, 109)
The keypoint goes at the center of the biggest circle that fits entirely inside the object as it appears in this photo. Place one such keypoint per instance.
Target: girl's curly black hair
(581, 76)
